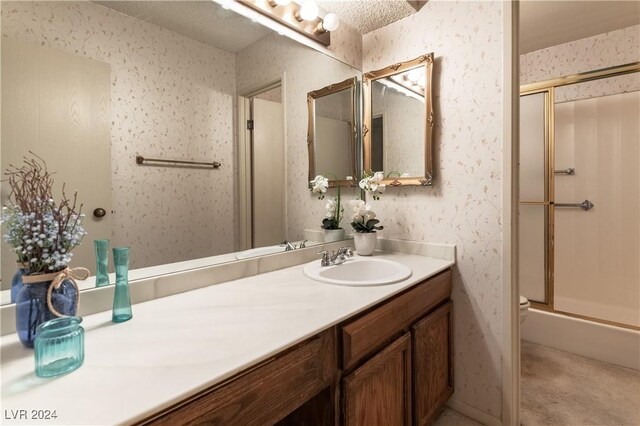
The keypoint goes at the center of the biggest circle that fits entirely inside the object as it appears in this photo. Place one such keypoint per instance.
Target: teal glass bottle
(102, 262)
(121, 298)
(59, 346)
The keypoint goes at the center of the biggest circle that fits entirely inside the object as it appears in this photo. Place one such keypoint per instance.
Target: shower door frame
(548, 87)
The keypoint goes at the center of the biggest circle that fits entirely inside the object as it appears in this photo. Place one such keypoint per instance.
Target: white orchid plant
(335, 209)
(372, 184)
(364, 219)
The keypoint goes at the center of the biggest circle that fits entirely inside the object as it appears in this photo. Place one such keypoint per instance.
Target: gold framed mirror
(398, 122)
(332, 133)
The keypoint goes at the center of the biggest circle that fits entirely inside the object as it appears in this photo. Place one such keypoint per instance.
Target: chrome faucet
(303, 244)
(337, 257)
(287, 245)
(341, 256)
(325, 258)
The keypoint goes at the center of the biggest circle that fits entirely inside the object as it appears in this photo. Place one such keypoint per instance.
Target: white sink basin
(359, 272)
(260, 251)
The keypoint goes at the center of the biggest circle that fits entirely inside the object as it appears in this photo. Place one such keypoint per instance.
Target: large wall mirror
(398, 122)
(91, 86)
(332, 139)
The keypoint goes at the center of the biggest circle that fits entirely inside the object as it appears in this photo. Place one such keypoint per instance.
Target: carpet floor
(563, 389)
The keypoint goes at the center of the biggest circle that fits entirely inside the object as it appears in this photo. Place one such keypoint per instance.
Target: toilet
(524, 308)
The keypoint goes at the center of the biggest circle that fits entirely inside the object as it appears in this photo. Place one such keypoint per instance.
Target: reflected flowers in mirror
(319, 186)
(372, 184)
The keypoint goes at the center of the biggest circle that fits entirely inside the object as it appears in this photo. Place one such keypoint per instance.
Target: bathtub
(615, 345)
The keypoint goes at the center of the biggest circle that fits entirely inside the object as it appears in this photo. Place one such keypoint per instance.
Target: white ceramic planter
(365, 242)
(331, 235)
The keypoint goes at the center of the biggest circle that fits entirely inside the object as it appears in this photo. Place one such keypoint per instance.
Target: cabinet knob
(99, 212)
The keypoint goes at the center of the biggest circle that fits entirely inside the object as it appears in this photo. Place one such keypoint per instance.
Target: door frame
(245, 159)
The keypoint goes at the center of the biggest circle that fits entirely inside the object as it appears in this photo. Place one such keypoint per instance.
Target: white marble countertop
(179, 345)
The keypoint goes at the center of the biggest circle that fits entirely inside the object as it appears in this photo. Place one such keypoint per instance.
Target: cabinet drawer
(369, 333)
(266, 393)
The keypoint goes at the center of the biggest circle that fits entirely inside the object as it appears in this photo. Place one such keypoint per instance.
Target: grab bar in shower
(568, 171)
(585, 205)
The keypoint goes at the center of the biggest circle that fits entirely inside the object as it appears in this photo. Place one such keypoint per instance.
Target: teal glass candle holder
(102, 262)
(122, 298)
(59, 346)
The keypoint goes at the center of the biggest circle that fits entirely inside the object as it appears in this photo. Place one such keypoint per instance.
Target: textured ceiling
(204, 21)
(548, 23)
(368, 15)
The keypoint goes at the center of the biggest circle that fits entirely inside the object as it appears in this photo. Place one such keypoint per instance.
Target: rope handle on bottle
(57, 278)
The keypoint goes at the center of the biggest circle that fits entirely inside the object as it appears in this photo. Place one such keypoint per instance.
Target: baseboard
(474, 413)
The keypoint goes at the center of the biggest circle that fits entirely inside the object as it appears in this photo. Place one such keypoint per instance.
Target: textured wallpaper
(301, 70)
(172, 97)
(465, 205)
(601, 51)
(346, 45)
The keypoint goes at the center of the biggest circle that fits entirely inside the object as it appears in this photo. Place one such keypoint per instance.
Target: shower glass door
(596, 190)
(534, 197)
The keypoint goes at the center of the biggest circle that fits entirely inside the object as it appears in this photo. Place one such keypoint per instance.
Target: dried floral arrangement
(41, 231)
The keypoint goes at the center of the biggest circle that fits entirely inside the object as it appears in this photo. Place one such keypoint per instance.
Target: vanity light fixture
(329, 23)
(308, 11)
(299, 15)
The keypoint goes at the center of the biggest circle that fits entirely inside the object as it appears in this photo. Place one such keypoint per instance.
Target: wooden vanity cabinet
(379, 392)
(391, 380)
(264, 394)
(432, 344)
(389, 366)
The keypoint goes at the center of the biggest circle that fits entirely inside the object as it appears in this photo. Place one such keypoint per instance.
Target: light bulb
(309, 11)
(330, 22)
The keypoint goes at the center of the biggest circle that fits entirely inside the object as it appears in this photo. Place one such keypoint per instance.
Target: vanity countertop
(179, 345)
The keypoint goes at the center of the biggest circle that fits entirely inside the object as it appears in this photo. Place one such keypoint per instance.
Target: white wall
(465, 205)
(172, 97)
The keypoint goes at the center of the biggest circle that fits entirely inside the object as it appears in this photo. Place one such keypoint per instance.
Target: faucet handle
(346, 251)
(303, 244)
(287, 245)
(325, 258)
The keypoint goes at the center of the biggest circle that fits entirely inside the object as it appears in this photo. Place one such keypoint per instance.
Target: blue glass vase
(122, 298)
(102, 262)
(32, 307)
(16, 282)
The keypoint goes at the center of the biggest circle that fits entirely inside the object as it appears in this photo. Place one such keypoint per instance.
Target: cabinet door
(379, 392)
(432, 364)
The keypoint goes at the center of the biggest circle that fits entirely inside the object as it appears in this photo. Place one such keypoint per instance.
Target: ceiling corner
(417, 4)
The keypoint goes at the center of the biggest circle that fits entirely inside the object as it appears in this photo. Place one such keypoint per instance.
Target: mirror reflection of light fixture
(400, 88)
